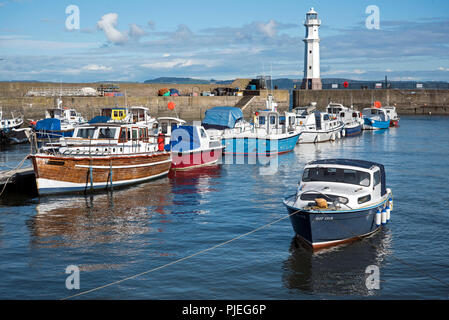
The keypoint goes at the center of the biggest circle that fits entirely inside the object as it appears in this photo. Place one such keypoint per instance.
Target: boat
(192, 147)
(375, 119)
(100, 156)
(166, 125)
(394, 118)
(59, 122)
(8, 127)
(271, 133)
(316, 126)
(352, 119)
(339, 201)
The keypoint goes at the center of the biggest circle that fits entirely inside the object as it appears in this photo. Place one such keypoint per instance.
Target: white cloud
(269, 29)
(96, 67)
(443, 69)
(135, 31)
(108, 24)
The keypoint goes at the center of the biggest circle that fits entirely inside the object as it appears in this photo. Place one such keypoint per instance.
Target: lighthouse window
(310, 51)
(310, 67)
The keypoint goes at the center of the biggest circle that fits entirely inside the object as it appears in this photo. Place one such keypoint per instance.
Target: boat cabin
(378, 114)
(116, 114)
(274, 122)
(352, 183)
(167, 124)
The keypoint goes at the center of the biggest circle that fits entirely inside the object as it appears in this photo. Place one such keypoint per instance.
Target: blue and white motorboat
(351, 118)
(375, 119)
(270, 133)
(338, 201)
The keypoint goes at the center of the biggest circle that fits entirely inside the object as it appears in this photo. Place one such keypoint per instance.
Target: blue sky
(140, 40)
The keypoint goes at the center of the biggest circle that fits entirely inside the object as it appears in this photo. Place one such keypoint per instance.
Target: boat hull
(256, 145)
(65, 174)
(327, 229)
(370, 124)
(194, 159)
(353, 131)
(319, 136)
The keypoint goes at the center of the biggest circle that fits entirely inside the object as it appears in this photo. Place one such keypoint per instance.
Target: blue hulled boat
(375, 119)
(271, 132)
(338, 201)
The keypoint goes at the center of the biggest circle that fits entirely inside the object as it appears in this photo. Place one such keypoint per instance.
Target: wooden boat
(192, 147)
(338, 201)
(99, 156)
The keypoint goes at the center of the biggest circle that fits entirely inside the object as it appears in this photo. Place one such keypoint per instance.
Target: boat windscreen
(348, 176)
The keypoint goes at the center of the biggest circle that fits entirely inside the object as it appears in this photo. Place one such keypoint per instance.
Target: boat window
(282, 121)
(86, 133)
(107, 133)
(337, 175)
(272, 120)
(164, 128)
(376, 178)
(142, 134)
(364, 199)
(135, 134)
(123, 135)
(325, 117)
(72, 113)
(354, 114)
(203, 133)
(261, 120)
(342, 114)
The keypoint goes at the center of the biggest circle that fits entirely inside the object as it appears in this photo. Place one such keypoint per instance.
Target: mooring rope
(182, 259)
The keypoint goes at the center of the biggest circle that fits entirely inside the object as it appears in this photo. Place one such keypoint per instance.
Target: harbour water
(111, 236)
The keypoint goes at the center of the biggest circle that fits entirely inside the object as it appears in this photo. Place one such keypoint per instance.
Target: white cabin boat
(316, 126)
(394, 118)
(351, 118)
(338, 201)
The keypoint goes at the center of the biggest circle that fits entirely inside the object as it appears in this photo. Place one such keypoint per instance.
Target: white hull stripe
(123, 167)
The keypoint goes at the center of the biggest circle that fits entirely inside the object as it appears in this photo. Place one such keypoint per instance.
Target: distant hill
(174, 80)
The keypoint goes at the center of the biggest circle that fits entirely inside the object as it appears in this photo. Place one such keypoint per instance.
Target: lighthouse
(312, 79)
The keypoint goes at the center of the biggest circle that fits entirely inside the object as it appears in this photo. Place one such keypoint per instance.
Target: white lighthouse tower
(312, 79)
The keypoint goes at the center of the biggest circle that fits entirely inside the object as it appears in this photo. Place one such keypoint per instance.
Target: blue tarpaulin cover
(222, 117)
(184, 138)
(99, 119)
(50, 124)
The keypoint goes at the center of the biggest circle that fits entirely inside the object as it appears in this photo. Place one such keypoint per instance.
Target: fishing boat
(7, 127)
(338, 201)
(375, 119)
(192, 147)
(352, 119)
(316, 126)
(394, 118)
(271, 133)
(100, 156)
(59, 122)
